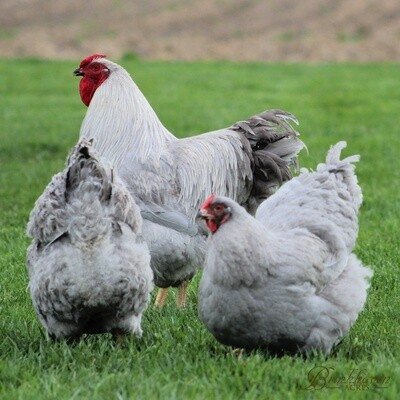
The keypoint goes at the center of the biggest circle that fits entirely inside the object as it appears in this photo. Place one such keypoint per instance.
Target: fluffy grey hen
(170, 177)
(286, 280)
(88, 273)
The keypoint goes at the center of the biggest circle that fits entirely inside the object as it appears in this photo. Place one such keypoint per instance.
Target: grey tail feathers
(333, 156)
(345, 168)
(85, 166)
(275, 146)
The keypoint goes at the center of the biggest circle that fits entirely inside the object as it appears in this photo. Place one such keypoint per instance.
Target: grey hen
(88, 272)
(286, 280)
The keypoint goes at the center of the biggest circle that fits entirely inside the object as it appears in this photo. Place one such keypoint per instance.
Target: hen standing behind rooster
(286, 280)
(87, 272)
(169, 177)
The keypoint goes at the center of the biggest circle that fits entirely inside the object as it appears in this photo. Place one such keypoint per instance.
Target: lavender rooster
(170, 177)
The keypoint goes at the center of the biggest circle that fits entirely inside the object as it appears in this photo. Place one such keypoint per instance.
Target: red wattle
(88, 86)
(86, 90)
(212, 226)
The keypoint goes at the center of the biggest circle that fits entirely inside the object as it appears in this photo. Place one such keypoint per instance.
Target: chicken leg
(162, 295)
(182, 294)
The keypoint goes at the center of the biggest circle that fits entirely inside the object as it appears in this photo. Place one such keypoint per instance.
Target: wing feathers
(166, 216)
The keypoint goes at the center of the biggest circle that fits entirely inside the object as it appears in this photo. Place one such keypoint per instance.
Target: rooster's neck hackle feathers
(122, 121)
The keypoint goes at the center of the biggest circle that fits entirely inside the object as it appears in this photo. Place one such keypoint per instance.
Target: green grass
(177, 358)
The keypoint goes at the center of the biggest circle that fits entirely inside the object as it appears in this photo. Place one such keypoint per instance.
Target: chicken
(87, 271)
(170, 177)
(286, 280)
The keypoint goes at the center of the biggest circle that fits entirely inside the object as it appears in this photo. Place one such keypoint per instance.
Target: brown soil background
(266, 30)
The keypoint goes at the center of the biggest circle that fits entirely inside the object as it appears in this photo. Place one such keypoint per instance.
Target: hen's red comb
(89, 59)
(208, 202)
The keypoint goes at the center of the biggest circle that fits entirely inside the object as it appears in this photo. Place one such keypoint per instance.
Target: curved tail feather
(84, 166)
(275, 146)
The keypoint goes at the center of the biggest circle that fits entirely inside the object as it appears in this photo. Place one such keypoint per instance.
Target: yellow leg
(182, 294)
(161, 297)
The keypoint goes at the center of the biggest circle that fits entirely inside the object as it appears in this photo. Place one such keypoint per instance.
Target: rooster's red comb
(208, 202)
(89, 59)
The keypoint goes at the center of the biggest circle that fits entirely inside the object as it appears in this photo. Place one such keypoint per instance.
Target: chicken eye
(219, 208)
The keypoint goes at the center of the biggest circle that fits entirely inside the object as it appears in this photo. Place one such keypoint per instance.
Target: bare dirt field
(267, 30)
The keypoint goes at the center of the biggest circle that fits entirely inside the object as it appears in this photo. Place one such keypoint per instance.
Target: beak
(202, 214)
(78, 72)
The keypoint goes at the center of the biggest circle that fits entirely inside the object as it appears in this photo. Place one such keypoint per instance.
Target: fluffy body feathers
(287, 280)
(88, 272)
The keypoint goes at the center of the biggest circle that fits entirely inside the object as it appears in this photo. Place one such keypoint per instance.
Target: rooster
(88, 272)
(286, 280)
(169, 177)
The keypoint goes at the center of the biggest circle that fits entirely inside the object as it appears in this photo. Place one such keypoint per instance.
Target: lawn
(40, 116)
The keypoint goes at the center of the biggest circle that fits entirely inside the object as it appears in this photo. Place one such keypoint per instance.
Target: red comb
(89, 59)
(208, 202)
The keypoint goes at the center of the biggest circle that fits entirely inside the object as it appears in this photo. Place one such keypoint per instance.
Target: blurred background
(262, 30)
